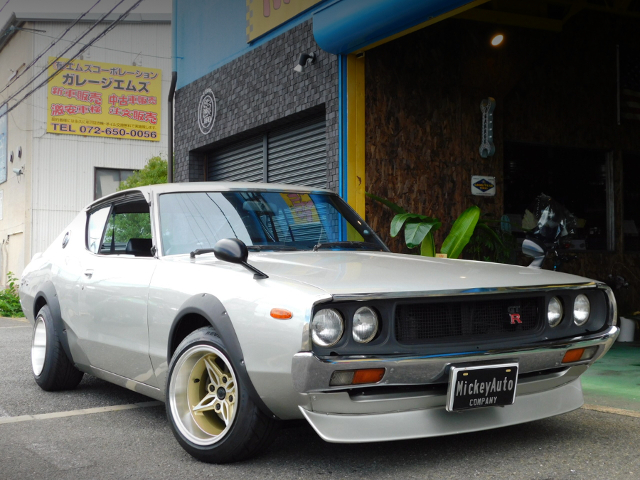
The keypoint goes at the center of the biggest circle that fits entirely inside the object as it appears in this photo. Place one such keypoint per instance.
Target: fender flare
(212, 309)
(50, 296)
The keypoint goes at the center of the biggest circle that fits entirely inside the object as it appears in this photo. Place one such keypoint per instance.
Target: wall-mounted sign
(104, 100)
(483, 185)
(487, 148)
(265, 15)
(207, 111)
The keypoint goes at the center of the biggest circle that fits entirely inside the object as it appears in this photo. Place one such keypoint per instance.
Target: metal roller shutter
(298, 154)
(240, 163)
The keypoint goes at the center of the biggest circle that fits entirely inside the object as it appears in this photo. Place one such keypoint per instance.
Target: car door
(116, 273)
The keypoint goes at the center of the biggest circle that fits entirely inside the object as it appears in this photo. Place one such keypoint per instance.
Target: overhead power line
(110, 49)
(5, 4)
(108, 29)
(33, 62)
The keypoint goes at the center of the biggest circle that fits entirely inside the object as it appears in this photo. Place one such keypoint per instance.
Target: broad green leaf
(428, 246)
(461, 232)
(398, 221)
(414, 233)
(388, 203)
(490, 231)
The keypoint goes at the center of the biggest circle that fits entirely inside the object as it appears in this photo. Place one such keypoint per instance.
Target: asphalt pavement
(100, 431)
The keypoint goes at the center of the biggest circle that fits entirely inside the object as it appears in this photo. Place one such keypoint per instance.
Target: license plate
(482, 386)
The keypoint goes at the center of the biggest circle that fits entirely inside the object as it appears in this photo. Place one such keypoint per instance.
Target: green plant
(418, 229)
(491, 245)
(154, 172)
(9, 300)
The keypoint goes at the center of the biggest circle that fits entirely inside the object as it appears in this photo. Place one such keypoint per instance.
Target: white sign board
(483, 185)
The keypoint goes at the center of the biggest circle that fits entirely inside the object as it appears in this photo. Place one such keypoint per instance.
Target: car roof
(211, 187)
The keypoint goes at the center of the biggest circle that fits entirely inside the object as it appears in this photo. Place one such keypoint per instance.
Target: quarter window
(95, 228)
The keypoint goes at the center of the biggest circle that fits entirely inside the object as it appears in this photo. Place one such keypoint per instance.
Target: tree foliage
(154, 172)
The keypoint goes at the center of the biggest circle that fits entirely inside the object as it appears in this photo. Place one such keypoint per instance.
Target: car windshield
(284, 221)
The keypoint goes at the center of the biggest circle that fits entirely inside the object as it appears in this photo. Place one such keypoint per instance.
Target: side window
(127, 233)
(95, 228)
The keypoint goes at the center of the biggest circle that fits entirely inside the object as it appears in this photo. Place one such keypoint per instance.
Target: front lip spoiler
(311, 373)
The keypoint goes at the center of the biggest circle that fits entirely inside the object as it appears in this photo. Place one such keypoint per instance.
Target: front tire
(208, 405)
(52, 369)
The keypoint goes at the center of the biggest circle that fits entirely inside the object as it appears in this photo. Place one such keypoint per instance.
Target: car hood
(349, 273)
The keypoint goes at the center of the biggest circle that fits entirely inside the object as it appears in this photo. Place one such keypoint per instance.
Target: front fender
(211, 308)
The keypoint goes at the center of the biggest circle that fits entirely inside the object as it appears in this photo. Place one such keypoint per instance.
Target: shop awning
(348, 25)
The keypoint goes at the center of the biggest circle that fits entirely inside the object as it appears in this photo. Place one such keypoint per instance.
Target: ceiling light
(497, 40)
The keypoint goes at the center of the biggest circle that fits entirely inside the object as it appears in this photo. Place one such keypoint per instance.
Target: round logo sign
(207, 111)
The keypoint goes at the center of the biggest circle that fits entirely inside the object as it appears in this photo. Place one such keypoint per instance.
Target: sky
(78, 6)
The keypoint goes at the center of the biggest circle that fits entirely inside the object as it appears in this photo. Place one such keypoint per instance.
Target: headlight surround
(327, 327)
(581, 310)
(365, 325)
(554, 312)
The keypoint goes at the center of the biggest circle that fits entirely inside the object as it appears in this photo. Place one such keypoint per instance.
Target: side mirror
(531, 248)
(231, 250)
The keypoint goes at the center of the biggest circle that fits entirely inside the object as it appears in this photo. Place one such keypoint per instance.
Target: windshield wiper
(349, 244)
(261, 248)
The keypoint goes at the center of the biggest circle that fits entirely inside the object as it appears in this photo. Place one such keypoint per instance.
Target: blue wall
(210, 33)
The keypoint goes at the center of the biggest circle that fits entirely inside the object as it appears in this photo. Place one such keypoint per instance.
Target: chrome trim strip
(313, 374)
(462, 292)
(613, 305)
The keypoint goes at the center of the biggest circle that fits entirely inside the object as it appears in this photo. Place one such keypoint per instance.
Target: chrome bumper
(312, 374)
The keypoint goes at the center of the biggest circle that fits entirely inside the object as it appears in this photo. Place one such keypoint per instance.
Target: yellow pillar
(355, 133)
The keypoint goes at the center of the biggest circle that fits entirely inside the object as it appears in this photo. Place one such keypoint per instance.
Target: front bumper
(432, 422)
(312, 374)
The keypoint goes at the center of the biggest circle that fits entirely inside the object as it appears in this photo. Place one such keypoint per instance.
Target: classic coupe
(243, 305)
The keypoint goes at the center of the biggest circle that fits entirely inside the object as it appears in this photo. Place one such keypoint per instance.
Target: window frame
(123, 198)
(95, 179)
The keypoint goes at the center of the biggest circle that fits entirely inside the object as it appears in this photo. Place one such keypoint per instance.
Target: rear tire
(52, 369)
(208, 404)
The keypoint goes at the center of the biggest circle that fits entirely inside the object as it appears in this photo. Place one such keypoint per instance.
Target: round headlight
(554, 311)
(365, 325)
(326, 327)
(581, 310)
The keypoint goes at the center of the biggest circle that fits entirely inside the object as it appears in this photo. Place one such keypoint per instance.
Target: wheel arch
(203, 310)
(47, 295)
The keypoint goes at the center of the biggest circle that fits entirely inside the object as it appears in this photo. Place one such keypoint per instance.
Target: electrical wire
(33, 62)
(5, 4)
(109, 28)
(110, 49)
(95, 39)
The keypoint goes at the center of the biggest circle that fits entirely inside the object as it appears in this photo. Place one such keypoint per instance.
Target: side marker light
(281, 313)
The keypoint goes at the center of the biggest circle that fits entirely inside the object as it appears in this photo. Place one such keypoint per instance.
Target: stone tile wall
(255, 93)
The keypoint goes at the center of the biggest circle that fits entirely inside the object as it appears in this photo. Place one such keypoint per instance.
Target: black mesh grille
(422, 322)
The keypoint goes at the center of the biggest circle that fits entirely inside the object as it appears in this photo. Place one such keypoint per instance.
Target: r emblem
(515, 318)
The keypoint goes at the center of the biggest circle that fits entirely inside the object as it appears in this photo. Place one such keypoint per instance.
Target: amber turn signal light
(578, 354)
(356, 377)
(371, 375)
(281, 313)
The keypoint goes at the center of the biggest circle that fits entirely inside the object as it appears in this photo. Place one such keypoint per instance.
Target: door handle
(88, 273)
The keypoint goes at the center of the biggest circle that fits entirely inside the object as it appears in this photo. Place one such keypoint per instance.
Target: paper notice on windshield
(303, 210)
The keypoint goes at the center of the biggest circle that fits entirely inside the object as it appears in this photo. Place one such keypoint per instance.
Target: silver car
(242, 305)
